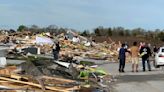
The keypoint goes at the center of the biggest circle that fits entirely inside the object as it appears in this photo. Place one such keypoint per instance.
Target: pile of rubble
(71, 44)
(67, 73)
(49, 75)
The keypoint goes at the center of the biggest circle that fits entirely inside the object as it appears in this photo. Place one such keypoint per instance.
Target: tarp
(43, 40)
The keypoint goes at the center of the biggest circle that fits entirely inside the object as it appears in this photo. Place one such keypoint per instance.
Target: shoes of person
(123, 71)
(149, 70)
(136, 70)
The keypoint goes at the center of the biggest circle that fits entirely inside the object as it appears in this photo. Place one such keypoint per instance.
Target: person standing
(122, 58)
(155, 50)
(141, 45)
(145, 53)
(135, 57)
(56, 50)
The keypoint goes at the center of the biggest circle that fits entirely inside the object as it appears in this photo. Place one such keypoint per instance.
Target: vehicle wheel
(156, 66)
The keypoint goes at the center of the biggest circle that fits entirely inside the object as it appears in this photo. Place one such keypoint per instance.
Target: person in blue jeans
(122, 57)
(145, 53)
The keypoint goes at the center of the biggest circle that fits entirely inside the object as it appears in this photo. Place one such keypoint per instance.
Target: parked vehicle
(159, 58)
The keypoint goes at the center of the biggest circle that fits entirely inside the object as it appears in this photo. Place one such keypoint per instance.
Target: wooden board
(39, 86)
(18, 77)
(59, 79)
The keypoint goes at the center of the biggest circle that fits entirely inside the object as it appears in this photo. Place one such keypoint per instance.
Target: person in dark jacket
(155, 49)
(56, 50)
(145, 53)
(122, 58)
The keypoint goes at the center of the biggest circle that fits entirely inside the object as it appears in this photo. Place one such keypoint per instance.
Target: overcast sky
(83, 14)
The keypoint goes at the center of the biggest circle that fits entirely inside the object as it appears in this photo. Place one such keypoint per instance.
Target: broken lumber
(37, 85)
(59, 79)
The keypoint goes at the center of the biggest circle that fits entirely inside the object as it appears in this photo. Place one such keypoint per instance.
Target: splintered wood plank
(55, 80)
(13, 87)
(22, 87)
(58, 79)
(2, 81)
(18, 77)
(37, 85)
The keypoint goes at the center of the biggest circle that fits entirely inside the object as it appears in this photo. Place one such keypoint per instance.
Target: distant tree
(161, 36)
(156, 32)
(21, 28)
(52, 27)
(85, 33)
(127, 32)
(138, 31)
(61, 30)
(120, 29)
(109, 32)
(121, 33)
(114, 32)
(150, 34)
(12, 31)
(97, 32)
(35, 29)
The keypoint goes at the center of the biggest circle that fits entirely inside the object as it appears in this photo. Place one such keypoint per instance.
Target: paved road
(136, 82)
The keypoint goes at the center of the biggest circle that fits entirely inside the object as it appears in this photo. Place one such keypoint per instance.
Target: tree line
(53, 29)
(156, 34)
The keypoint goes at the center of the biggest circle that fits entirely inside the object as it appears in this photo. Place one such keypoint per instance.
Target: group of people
(143, 51)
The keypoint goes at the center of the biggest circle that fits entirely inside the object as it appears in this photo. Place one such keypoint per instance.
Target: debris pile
(71, 45)
(47, 74)
(65, 74)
